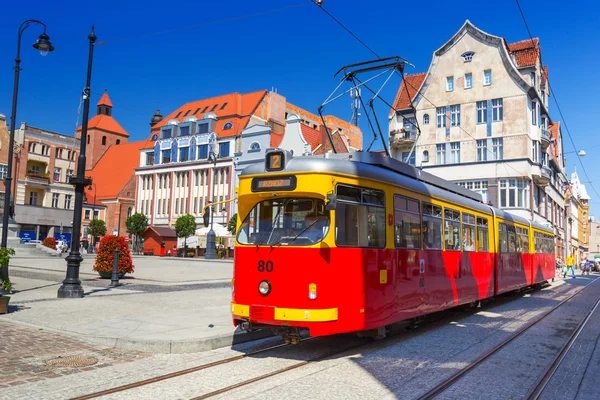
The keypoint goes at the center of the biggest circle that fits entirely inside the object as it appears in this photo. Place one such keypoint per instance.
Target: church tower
(103, 131)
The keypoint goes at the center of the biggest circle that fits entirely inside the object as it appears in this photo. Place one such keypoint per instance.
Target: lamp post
(71, 286)
(44, 46)
(93, 214)
(211, 237)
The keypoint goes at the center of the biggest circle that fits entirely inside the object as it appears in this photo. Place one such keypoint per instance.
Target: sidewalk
(170, 306)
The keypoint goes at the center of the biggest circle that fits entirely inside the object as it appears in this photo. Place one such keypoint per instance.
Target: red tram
(350, 243)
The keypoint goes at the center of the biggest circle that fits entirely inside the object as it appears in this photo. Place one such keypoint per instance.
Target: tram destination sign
(274, 184)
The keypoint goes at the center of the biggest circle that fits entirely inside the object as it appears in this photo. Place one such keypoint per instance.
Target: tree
(185, 226)
(232, 224)
(97, 228)
(136, 224)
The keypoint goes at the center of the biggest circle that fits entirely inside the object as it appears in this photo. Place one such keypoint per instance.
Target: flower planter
(4, 304)
(108, 275)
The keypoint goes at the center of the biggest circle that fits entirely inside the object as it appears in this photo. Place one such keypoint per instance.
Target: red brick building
(155, 236)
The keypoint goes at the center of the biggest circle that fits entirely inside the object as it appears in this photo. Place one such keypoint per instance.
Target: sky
(157, 56)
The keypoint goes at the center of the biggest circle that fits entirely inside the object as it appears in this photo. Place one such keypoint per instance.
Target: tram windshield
(285, 222)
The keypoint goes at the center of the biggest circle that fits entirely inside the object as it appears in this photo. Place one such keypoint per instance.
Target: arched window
(103, 140)
(88, 139)
(118, 141)
(425, 156)
(425, 119)
(255, 146)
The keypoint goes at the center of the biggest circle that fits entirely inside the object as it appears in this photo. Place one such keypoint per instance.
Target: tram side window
(503, 236)
(432, 227)
(452, 229)
(468, 240)
(522, 240)
(407, 223)
(360, 217)
(536, 242)
(482, 234)
(512, 239)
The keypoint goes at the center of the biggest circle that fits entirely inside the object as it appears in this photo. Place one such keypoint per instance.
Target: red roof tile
(106, 123)
(104, 100)
(545, 74)
(526, 52)
(276, 139)
(234, 107)
(312, 136)
(114, 169)
(413, 83)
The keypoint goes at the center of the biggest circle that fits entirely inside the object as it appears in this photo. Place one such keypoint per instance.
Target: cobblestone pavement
(24, 352)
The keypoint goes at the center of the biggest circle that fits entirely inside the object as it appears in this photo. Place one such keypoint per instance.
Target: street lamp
(93, 214)
(44, 46)
(71, 286)
(211, 237)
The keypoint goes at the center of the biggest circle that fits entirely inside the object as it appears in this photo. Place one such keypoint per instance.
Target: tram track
(545, 378)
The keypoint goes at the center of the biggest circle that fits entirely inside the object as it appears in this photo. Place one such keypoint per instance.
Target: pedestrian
(570, 261)
(162, 249)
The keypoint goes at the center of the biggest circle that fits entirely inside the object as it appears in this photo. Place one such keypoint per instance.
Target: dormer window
(228, 125)
(203, 128)
(166, 133)
(184, 131)
(255, 146)
(154, 137)
(468, 56)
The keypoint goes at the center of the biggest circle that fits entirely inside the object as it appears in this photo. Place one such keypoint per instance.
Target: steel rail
(447, 383)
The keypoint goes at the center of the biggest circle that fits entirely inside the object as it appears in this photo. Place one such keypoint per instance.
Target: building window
(33, 198)
(166, 133)
(497, 110)
(70, 173)
(411, 160)
(514, 193)
(150, 158)
(255, 146)
(203, 152)
(3, 171)
(441, 153)
(449, 83)
(166, 156)
(68, 201)
(103, 140)
(56, 174)
(184, 154)
(441, 117)
(228, 125)
(455, 153)
(532, 74)
(425, 156)
(468, 56)
(497, 150)
(533, 113)
(224, 149)
(426, 119)
(487, 77)
(468, 81)
(480, 187)
(87, 214)
(203, 128)
(407, 223)
(482, 150)
(455, 115)
(55, 197)
(535, 150)
(176, 206)
(184, 131)
(59, 153)
(481, 112)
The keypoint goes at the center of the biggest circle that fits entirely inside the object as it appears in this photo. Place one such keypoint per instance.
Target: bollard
(114, 281)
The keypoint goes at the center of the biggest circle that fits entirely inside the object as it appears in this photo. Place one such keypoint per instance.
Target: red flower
(49, 242)
(106, 255)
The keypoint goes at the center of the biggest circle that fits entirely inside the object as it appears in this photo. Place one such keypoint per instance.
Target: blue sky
(296, 50)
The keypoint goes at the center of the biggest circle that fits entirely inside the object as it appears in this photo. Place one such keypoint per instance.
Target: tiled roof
(161, 231)
(114, 169)
(312, 136)
(106, 123)
(413, 83)
(276, 139)
(526, 52)
(104, 100)
(544, 74)
(234, 107)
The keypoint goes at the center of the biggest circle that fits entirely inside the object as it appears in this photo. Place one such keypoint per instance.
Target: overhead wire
(408, 83)
(554, 97)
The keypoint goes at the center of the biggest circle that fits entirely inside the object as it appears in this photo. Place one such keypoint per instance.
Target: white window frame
(482, 108)
(487, 74)
(455, 115)
(441, 153)
(425, 156)
(68, 199)
(516, 190)
(482, 149)
(55, 199)
(425, 119)
(468, 81)
(449, 84)
(33, 198)
(441, 117)
(3, 171)
(455, 153)
(498, 148)
(497, 110)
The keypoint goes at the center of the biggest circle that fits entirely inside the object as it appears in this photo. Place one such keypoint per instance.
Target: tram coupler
(246, 326)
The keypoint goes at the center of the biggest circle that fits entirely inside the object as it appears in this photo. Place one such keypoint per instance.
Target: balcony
(37, 178)
(401, 138)
(543, 176)
(545, 142)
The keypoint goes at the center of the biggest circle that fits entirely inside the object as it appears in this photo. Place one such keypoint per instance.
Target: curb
(182, 346)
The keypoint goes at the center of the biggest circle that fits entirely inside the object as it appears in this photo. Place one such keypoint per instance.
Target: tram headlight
(264, 288)
(312, 291)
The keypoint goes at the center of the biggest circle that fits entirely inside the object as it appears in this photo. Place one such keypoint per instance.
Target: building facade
(577, 200)
(594, 239)
(175, 177)
(4, 140)
(479, 117)
(44, 200)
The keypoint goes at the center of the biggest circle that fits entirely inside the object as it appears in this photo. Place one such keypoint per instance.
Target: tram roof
(382, 168)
